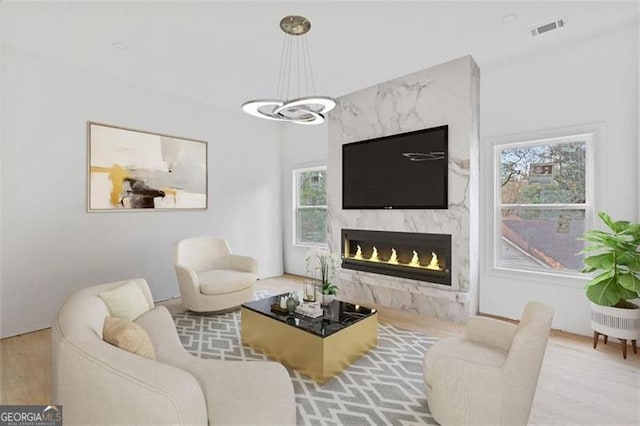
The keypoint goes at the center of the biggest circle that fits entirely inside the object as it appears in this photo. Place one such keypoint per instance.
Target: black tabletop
(337, 316)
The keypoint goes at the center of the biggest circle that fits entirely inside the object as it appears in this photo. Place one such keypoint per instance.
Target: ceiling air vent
(553, 25)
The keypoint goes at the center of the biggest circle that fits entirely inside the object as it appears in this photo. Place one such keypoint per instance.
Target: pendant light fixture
(295, 101)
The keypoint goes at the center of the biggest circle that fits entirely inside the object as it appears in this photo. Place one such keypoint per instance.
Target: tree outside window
(310, 216)
(542, 204)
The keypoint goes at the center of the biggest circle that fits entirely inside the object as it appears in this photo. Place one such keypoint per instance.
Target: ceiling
(224, 53)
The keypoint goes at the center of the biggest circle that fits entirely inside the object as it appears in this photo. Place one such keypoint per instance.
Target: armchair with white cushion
(210, 277)
(99, 383)
(490, 375)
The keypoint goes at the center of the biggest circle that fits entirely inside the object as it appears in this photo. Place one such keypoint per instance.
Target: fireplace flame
(415, 260)
(374, 255)
(394, 257)
(434, 265)
(358, 254)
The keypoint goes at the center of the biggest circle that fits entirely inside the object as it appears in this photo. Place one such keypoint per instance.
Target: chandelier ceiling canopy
(296, 100)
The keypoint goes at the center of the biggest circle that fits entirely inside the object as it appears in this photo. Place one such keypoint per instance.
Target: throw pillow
(128, 336)
(126, 301)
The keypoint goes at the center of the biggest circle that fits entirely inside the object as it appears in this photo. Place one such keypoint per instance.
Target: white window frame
(592, 135)
(295, 204)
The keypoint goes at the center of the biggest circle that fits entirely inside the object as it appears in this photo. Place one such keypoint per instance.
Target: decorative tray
(275, 307)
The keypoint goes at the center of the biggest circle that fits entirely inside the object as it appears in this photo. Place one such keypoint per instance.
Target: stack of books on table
(310, 309)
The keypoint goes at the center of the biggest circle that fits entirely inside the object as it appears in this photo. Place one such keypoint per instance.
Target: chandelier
(295, 100)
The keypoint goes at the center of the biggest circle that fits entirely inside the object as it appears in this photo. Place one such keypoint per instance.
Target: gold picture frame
(137, 170)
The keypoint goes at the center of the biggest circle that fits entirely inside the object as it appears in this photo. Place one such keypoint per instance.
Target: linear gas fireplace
(416, 256)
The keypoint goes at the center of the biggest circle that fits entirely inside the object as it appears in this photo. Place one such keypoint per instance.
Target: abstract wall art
(132, 169)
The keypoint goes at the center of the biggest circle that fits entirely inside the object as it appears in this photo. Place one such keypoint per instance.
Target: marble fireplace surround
(444, 94)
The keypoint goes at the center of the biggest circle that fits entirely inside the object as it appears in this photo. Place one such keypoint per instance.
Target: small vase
(309, 291)
(328, 298)
(291, 305)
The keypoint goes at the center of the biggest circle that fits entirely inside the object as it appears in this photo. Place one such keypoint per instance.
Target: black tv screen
(404, 171)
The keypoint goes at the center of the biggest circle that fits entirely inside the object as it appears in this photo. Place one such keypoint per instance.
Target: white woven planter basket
(616, 322)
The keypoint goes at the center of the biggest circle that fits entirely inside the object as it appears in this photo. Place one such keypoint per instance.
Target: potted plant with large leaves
(615, 257)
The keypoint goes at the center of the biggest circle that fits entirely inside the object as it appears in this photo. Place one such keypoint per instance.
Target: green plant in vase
(322, 265)
(615, 257)
(329, 288)
(617, 262)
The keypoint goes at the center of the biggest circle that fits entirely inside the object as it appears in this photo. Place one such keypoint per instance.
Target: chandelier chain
(281, 71)
(298, 63)
(289, 65)
(313, 83)
(304, 63)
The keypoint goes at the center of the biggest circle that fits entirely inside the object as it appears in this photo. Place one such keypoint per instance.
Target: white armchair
(100, 384)
(210, 277)
(490, 375)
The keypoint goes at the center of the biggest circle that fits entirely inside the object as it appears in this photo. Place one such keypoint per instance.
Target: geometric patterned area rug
(384, 387)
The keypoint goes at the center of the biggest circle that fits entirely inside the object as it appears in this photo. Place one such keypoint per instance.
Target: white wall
(2, 30)
(302, 146)
(593, 81)
(52, 246)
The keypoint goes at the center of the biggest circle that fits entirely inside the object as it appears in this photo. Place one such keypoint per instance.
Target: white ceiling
(224, 53)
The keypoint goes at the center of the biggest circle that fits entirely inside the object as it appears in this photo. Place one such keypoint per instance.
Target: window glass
(310, 217)
(542, 205)
(311, 188)
(544, 174)
(312, 226)
(542, 238)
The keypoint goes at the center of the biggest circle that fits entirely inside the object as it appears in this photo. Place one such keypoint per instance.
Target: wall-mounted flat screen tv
(404, 171)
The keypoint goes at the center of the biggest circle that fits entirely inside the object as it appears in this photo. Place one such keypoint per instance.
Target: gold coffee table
(319, 348)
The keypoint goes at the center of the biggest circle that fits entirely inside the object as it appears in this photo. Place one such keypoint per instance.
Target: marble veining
(444, 94)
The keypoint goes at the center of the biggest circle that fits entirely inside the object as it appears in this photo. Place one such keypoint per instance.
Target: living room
(185, 69)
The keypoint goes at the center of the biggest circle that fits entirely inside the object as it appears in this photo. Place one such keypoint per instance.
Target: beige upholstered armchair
(490, 375)
(101, 384)
(210, 277)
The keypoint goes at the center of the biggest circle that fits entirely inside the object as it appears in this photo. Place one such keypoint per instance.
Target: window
(310, 206)
(542, 204)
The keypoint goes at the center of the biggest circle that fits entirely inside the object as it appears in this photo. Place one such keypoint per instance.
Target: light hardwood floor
(578, 385)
